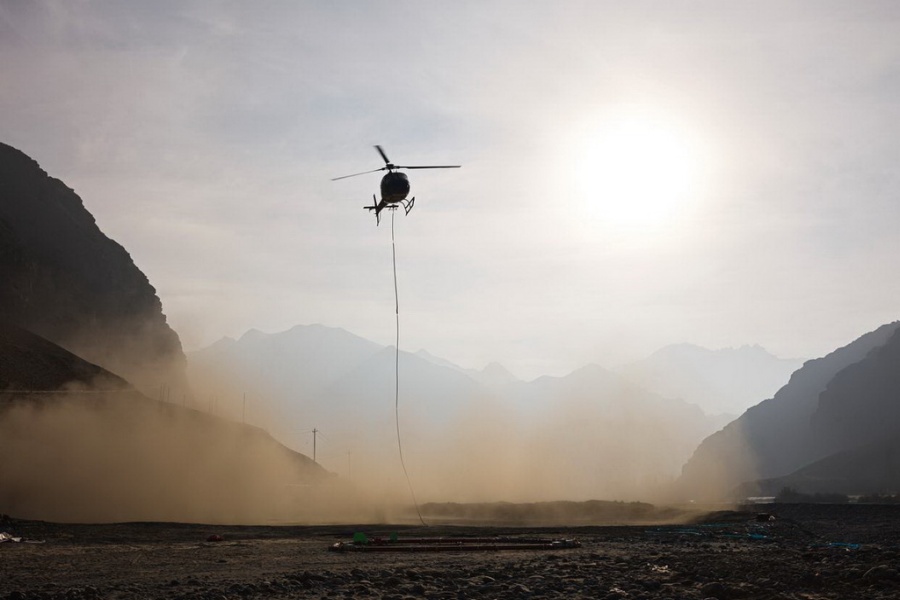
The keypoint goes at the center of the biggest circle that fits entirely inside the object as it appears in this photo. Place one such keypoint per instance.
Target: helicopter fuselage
(394, 187)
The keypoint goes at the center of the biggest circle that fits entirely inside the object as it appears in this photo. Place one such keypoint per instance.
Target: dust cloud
(577, 450)
(724, 467)
(488, 448)
(88, 456)
(112, 456)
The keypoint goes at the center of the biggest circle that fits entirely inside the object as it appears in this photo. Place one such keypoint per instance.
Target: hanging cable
(397, 373)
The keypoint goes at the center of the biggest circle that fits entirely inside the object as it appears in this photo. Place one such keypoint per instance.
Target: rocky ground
(806, 552)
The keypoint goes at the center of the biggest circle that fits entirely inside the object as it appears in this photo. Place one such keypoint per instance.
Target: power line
(314, 432)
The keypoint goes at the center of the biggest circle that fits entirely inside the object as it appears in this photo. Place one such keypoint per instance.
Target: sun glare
(635, 173)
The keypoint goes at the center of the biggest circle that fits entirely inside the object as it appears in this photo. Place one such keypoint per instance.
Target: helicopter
(394, 186)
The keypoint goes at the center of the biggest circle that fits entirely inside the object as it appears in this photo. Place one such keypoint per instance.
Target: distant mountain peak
(252, 334)
(495, 373)
(312, 327)
(687, 347)
(495, 367)
(426, 355)
(223, 342)
(591, 369)
(728, 380)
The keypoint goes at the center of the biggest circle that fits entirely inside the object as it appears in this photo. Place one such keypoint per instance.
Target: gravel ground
(806, 552)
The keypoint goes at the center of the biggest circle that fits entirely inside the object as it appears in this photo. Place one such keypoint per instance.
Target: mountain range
(84, 346)
(827, 415)
(66, 281)
(472, 434)
(83, 339)
(726, 381)
(830, 427)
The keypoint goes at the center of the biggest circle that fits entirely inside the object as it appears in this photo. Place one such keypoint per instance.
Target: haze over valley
(665, 271)
(590, 434)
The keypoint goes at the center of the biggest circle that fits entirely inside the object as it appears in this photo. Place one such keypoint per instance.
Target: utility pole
(314, 432)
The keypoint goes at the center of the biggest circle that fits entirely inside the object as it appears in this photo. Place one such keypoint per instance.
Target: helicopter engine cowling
(394, 187)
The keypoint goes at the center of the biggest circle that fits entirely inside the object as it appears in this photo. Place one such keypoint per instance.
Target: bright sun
(635, 173)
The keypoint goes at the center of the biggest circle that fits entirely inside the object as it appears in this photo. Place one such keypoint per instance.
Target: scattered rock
(714, 589)
(881, 572)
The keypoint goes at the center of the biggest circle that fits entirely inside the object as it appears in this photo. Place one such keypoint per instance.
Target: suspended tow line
(397, 371)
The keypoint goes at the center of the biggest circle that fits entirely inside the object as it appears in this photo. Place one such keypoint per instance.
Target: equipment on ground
(361, 543)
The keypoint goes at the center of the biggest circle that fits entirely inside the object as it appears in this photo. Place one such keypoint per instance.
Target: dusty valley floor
(806, 552)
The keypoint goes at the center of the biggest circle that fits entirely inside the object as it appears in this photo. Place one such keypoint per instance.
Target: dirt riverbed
(806, 552)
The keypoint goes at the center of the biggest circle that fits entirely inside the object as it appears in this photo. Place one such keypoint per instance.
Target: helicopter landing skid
(407, 206)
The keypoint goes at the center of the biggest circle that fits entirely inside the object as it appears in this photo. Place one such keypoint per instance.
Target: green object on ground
(360, 538)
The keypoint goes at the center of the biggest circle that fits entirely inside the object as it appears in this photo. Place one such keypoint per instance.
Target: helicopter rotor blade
(431, 167)
(363, 173)
(387, 161)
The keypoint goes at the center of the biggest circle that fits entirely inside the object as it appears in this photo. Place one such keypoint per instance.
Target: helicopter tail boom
(377, 207)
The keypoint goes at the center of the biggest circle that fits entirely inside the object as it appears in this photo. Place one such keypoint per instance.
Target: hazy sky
(634, 173)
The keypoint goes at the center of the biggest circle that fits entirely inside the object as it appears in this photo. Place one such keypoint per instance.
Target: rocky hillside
(863, 470)
(31, 363)
(861, 404)
(64, 280)
(78, 443)
(831, 405)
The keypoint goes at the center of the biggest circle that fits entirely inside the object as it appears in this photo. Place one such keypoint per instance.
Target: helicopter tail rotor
(377, 208)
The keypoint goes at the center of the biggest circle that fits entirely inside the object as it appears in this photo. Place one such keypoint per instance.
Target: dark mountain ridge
(861, 404)
(805, 421)
(77, 441)
(868, 469)
(30, 363)
(66, 281)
